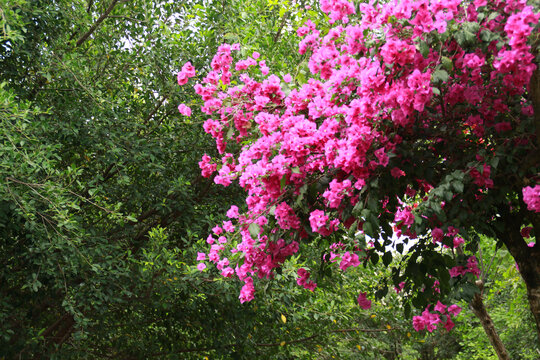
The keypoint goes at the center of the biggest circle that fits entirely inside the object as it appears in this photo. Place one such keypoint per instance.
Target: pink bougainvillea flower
(188, 71)
(440, 307)
(184, 110)
(232, 213)
(363, 302)
(531, 197)
(454, 310)
(419, 323)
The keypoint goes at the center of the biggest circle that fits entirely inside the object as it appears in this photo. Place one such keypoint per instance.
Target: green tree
(101, 192)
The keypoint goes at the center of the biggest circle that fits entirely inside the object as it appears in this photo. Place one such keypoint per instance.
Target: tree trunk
(478, 308)
(528, 262)
(530, 272)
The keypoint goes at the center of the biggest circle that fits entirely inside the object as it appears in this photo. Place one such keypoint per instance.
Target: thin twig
(93, 28)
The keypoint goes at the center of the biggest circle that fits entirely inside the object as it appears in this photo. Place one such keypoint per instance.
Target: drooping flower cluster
(408, 75)
(430, 320)
(303, 280)
(471, 267)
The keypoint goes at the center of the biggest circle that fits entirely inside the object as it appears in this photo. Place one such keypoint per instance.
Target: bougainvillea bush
(416, 130)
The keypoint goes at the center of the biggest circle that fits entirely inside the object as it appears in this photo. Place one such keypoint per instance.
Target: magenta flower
(363, 302)
(454, 310)
(531, 197)
(184, 110)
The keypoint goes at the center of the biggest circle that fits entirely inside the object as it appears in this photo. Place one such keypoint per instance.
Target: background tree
(100, 187)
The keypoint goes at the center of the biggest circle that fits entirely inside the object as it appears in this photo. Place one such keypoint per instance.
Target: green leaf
(423, 48)
(254, 230)
(447, 63)
(387, 258)
(230, 133)
(374, 257)
(458, 186)
(368, 230)
(283, 182)
(439, 76)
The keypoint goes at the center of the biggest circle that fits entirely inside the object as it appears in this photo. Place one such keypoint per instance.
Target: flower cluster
(374, 85)
(430, 320)
(471, 267)
(531, 197)
(303, 280)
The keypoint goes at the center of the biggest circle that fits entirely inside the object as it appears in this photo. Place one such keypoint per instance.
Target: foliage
(101, 196)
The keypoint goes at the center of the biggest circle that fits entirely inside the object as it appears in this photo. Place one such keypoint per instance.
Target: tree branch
(281, 26)
(156, 108)
(283, 343)
(93, 28)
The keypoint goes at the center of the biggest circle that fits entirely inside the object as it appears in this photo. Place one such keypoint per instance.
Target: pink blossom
(457, 271)
(419, 323)
(458, 240)
(286, 217)
(227, 272)
(222, 240)
(217, 230)
(320, 223)
(454, 310)
(248, 290)
(397, 173)
(313, 149)
(431, 320)
(222, 263)
(400, 287)
(437, 234)
(184, 110)
(405, 216)
(232, 213)
(206, 166)
(449, 325)
(228, 226)
(338, 9)
(472, 266)
(201, 266)
(201, 256)
(187, 72)
(440, 307)
(363, 302)
(349, 259)
(303, 280)
(531, 197)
